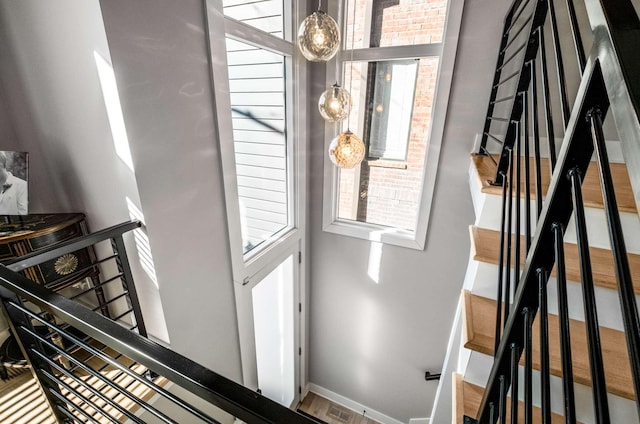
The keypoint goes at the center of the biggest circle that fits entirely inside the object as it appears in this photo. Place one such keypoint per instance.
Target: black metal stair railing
(94, 369)
(610, 83)
(110, 271)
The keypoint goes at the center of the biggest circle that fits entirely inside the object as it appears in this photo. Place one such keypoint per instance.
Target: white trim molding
(446, 52)
(351, 404)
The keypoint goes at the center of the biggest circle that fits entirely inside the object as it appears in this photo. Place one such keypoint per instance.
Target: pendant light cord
(353, 42)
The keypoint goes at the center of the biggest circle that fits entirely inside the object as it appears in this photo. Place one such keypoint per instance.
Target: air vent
(340, 414)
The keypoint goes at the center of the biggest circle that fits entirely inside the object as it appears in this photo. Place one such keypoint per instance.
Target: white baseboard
(353, 405)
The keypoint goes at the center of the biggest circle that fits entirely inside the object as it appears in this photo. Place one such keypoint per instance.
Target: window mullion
(247, 34)
(391, 53)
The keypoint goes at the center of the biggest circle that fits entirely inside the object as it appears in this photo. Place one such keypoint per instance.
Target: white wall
(373, 342)
(55, 101)
(159, 53)
(8, 141)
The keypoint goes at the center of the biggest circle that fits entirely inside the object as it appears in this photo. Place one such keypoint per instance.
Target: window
(389, 108)
(265, 15)
(257, 93)
(257, 99)
(396, 67)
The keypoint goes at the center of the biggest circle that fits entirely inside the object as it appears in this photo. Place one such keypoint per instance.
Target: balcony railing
(94, 369)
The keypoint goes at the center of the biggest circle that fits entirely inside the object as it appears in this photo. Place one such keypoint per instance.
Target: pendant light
(318, 36)
(347, 149)
(335, 103)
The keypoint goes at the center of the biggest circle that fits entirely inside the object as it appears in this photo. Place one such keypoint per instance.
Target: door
(269, 324)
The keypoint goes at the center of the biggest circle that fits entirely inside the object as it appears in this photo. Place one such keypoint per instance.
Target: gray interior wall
(373, 342)
(8, 141)
(159, 54)
(55, 104)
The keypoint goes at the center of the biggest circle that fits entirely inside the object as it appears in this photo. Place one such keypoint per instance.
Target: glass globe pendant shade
(318, 37)
(335, 103)
(346, 150)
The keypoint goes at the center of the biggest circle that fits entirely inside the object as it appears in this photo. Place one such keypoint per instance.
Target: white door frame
(244, 306)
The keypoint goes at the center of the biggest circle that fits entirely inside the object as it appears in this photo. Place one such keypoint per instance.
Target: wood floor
(22, 402)
(331, 413)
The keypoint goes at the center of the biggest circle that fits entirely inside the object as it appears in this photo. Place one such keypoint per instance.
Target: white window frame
(246, 265)
(248, 268)
(446, 51)
(400, 154)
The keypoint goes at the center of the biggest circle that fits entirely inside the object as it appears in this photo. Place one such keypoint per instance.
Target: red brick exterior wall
(389, 191)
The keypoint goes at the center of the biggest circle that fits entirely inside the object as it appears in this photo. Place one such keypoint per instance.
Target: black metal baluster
(562, 84)
(601, 404)
(543, 320)
(527, 176)
(619, 251)
(536, 136)
(577, 38)
(122, 262)
(563, 324)
(492, 413)
(501, 270)
(503, 401)
(509, 235)
(17, 321)
(544, 75)
(515, 355)
(509, 20)
(528, 366)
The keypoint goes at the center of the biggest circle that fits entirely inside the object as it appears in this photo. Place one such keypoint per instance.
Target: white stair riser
(488, 210)
(597, 227)
(622, 410)
(482, 278)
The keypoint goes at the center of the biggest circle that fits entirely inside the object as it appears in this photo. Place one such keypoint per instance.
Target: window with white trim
(398, 71)
(255, 76)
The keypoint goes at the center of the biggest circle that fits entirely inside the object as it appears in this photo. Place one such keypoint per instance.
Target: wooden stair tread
(467, 399)
(590, 188)
(486, 248)
(479, 325)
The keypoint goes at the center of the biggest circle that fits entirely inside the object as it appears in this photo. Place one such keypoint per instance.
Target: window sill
(386, 163)
(375, 233)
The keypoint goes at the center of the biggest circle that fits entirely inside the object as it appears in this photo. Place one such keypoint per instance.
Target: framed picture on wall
(14, 183)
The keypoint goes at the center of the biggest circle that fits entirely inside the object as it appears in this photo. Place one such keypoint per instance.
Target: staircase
(93, 368)
(549, 329)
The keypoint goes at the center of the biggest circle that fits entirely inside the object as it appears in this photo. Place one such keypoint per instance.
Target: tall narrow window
(258, 98)
(257, 90)
(265, 15)
(393, 64)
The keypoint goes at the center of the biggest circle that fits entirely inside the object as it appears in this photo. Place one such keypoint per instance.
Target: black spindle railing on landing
(609, 84)
(95, 370)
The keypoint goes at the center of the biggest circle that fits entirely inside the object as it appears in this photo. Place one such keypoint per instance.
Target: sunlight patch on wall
(142, 243)
(375, 259)
(114, 110)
